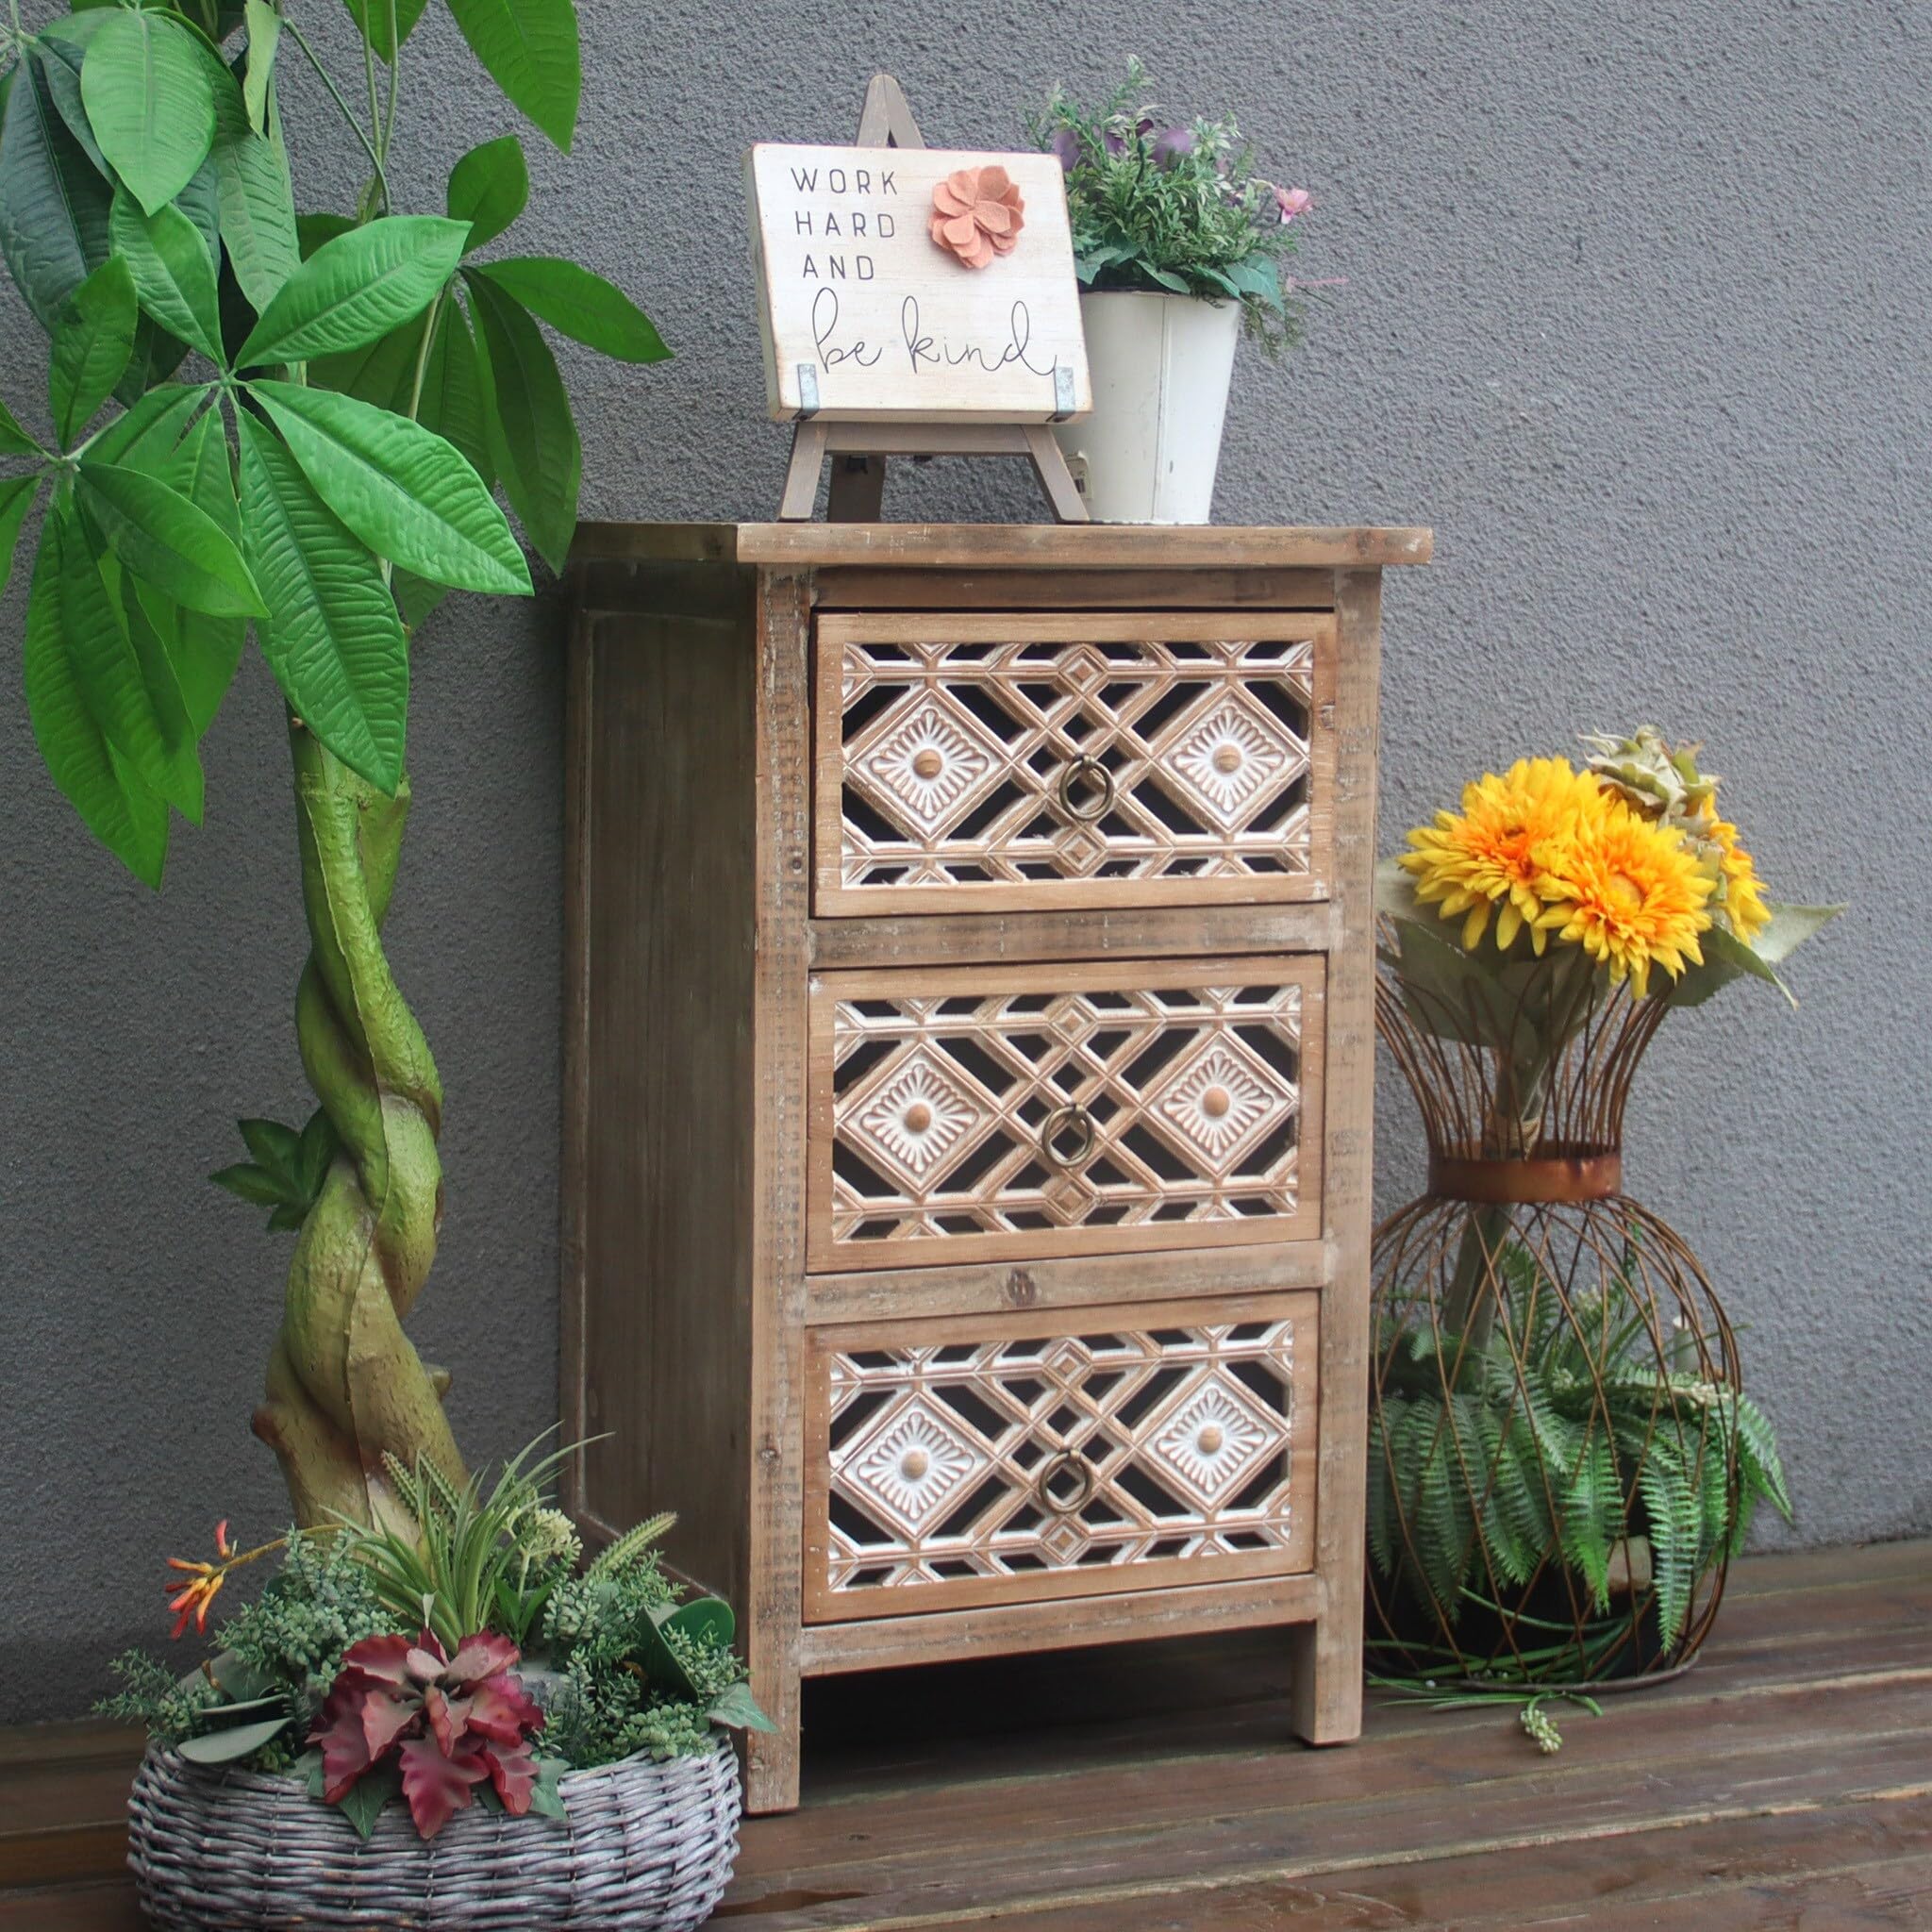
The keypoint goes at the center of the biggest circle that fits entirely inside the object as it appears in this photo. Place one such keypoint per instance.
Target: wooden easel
(859, 450)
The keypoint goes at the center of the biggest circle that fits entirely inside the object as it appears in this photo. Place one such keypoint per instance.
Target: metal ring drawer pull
(1072, 1119)
(1089, 767)
(1055, 1465)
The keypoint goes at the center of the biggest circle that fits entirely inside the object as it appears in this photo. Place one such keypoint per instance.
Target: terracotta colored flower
(976, 214)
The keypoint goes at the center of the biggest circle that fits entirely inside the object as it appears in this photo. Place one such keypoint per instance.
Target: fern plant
(1538, 1443)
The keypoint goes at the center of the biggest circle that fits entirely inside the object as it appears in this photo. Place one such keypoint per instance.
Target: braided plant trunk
(344, 1383)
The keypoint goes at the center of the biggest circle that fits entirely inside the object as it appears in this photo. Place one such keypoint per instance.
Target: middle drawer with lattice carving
(985, 1113)
(1017, 763)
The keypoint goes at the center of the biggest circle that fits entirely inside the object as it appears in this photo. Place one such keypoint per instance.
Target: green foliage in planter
(641, 1669)
(1159, 207)
(1535, 1445)
(278, 1659)
(465, 1561)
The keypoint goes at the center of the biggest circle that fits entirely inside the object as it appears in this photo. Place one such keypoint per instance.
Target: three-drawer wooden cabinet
(969, 1051)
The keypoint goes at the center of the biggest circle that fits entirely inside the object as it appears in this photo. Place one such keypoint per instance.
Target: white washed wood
(967, 316)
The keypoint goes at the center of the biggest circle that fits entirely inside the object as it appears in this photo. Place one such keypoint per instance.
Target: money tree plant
(293, 427)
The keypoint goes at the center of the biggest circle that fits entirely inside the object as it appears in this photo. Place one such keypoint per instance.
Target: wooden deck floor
(1784, 1782)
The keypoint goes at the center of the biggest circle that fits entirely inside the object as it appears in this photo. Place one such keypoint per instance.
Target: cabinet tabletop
(1009, 546)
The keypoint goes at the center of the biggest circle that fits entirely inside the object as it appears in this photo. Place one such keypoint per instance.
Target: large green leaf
(62, 48)
(132, 698)
(407, 493)
(530, 50)
(205, 649)
(532, 436)
(121, 813)
(92, 342)
(150, 100)
(14, 440)
(1726, 958)
(452, 405)
(332, 637)
(174, 277)
(53, 205)
(357, 288)
(256, 205)
(16, 499)
(489, 188)
(168, 541)
(371, 17)
(225, 1746)
(145, 436)
(381, 371)
(185, 786)
(452, 399)
(584, 305)
(265, 32)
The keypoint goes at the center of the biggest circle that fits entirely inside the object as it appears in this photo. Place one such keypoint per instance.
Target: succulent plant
(439, 1727)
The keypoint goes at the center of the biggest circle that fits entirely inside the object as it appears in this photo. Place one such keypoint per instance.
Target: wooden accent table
(968, 1072)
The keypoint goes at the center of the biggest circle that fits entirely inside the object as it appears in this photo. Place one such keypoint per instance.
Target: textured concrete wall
(1635, 317)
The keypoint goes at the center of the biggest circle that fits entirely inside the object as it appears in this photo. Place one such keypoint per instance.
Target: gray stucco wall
(1635, 317)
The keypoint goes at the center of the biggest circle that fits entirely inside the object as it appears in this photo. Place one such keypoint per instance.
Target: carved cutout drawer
(953, 1464)
(985, 1113)
(1015, 762)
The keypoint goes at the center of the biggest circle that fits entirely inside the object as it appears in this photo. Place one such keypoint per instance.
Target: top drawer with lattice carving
(1010, 763)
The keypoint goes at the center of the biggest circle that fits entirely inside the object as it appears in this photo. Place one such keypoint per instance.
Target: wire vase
(1556, 1415)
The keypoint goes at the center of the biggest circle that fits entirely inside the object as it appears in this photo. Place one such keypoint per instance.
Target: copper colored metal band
(1594, 1177)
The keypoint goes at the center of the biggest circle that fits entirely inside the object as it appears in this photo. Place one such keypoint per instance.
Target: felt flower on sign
(976, 214)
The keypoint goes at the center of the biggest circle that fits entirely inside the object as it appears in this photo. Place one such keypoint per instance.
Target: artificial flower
(1171, 144)
(976, 214)
(1495, 855)
(1743, 902)
(1630, 893)
(1292, 202)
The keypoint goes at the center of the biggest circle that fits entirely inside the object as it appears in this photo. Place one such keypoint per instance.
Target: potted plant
(1177, 242)
(1562, 1456)
(444, 1717)
(292, 426)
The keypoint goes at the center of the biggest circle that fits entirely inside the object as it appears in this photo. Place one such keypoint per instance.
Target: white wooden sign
(867, 317)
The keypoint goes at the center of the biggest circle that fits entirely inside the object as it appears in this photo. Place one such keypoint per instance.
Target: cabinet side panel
(666, 1047)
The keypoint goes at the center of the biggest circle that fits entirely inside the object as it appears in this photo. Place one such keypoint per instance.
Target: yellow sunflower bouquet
(1557, 885)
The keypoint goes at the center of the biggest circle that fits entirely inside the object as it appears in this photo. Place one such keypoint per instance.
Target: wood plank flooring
(1783, 1782)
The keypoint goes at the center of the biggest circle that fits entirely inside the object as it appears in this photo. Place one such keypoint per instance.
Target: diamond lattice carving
(953, 754)
(1192, 1095)
(1182, 1438)
(1238, 754)
(1221, 1098)
(1215, 1439)
(909, 1463)
(914, 1113)
(929, 760)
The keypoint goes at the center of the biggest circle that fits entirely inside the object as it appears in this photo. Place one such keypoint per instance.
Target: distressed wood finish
(1148, 1788)
(1022, 763)
(709, 1297)
(1000, 1114)
(956, 1463)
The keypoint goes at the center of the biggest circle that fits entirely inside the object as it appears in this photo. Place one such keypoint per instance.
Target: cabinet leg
(1325, 1665)
(771, 1781)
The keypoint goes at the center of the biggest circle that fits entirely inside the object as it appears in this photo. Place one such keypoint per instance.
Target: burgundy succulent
(448, 1723)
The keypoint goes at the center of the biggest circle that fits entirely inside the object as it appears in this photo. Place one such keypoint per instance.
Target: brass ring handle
(1072, 1119)
(1052, 1466)
(1090, 768)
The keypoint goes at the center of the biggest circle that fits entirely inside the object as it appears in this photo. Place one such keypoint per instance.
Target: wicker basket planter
(648, 1847)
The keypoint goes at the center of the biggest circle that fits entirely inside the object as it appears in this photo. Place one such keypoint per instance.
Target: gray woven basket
(648, 1847)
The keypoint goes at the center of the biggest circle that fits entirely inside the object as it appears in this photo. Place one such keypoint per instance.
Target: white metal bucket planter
(1161, 367)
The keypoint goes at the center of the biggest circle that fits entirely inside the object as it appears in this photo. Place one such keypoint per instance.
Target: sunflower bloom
(1743, 904)
(1495, 855)
(1630, 893)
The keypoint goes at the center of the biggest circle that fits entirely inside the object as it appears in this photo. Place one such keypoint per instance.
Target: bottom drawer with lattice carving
(960, 1461)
